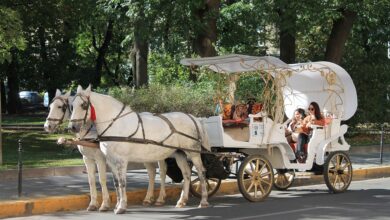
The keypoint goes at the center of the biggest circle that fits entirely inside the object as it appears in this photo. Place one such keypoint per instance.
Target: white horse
(128, 136)
(59, 112)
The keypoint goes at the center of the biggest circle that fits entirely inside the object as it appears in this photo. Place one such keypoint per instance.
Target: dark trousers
(302, 140)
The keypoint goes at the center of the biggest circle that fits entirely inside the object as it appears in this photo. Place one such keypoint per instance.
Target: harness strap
(173, 129)
(147, 141)
(114, 119)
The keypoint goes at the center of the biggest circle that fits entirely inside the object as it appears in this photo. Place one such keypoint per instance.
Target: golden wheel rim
(283, 180)
(258, 178)
(340, 172)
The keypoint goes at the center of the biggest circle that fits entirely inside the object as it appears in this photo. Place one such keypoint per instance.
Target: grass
(39, 150)
(23, 119)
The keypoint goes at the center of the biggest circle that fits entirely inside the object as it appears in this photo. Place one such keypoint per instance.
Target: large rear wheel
(338, 172)
(255, 178)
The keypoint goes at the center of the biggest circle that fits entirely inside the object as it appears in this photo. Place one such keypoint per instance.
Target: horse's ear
(58, 93)
(79, 89)
(67, 94)
(89, 88)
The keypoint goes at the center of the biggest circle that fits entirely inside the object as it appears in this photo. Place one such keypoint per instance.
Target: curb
(80, 202)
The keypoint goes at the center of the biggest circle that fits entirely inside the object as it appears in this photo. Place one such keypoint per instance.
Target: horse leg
(197, 161)
(181, 161)
(114, 180)
(163, 173)
(91, 169)
(102, 169)
(151, 168)
(121, 169)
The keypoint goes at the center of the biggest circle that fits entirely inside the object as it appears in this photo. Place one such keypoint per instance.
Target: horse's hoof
(119, 211)
(92, 208)
(146, 203)
(180, 205)
(203, 205)
(159, 203)
(104, 208)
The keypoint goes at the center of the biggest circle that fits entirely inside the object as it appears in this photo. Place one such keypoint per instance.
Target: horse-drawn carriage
(259, 149)
(256, 152)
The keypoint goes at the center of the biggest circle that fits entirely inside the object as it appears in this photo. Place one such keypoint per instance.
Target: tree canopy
(49, 44)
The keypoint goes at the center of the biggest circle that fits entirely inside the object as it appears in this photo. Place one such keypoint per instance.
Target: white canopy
(323, 82)
(326, 83)
(236, 63)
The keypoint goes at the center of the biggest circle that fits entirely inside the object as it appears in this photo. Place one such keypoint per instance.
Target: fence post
(381, 144)
(20, 166)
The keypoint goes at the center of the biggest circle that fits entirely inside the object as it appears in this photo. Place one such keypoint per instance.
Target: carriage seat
(237, 115)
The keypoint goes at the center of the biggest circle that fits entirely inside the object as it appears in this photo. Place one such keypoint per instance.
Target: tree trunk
(339, 35)
(3, 97)
(102, 51)
(13, 104)
(287, 31)
(207, 36)
(141, 50)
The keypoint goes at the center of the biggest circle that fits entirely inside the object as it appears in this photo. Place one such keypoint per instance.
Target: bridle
(64, 107)
(85, 106)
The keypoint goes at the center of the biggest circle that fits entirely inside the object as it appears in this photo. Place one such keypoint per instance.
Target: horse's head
(59, 111)
(81, 114)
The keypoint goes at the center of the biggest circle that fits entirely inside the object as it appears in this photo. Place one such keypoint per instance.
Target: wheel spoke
(285, 180)
(345, 166)
(266, 182)
(262, 189)
(343, 180)
(255, 192)
(335, 180)
(250, 186)
(257, 166)
(265, 174)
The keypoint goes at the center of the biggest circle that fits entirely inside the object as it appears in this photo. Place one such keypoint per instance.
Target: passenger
(296, 122)
(314, 118)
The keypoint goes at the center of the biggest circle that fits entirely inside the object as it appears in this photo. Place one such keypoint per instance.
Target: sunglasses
(311, 109)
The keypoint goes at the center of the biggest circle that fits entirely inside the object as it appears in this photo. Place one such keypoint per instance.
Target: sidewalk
(70, 192)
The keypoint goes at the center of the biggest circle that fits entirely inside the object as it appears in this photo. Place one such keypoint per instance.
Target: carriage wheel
(212, 186)
(338, 172)
(255, 178)
(283, 179)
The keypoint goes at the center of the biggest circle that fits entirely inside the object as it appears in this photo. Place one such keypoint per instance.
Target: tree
(206, 15)
(341, 29)
(287, 12)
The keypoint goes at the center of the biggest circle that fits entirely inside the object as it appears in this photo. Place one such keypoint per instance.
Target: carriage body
(323, 82)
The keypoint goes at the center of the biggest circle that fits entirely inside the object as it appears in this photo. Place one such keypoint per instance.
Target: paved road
(369, 199)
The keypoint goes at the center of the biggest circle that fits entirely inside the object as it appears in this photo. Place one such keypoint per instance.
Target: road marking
(282, 213)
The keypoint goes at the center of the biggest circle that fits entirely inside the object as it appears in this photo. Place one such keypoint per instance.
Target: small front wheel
(255, 178)
(283, 179)
(212, 186)
(338, 172)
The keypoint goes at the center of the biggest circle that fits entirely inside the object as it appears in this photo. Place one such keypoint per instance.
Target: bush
(195, 99)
